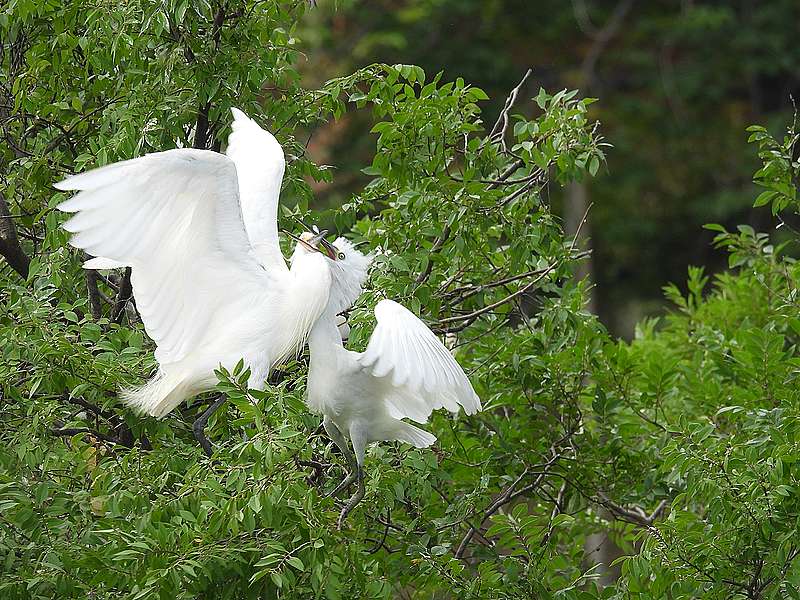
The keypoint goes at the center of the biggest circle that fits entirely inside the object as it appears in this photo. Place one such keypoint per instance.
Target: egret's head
(348, 274)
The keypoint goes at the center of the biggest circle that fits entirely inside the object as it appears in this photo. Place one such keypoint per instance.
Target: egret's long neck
(324, 338)
(304, 299)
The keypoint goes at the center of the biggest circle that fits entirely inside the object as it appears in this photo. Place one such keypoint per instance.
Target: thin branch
(10, 247)
(95, 302)
(601, 39)
(475, 314)
(501, 125)
(509, 171)
(382, 542)
(635, 514)
(463, 293)
(502, 499)
(580, 226)
(437, 245)
(123, 296)
(108, 415)
(71, 431)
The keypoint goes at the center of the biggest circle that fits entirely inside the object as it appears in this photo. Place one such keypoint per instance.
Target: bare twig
(465, 292)
(490, 307)
(580, 225)
(501, 125)
(634, 514)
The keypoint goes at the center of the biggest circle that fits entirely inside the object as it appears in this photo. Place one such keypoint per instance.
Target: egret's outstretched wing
(260, 164)
(174, 218)
(423, 373)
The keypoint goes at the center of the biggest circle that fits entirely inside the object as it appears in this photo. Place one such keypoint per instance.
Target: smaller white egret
(405, 372)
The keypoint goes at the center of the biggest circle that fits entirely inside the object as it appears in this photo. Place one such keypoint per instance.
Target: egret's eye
(340, 256)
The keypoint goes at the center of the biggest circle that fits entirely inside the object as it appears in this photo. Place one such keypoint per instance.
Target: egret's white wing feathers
(102, 263)
(260, 165)
(174, 218)
(423, 373)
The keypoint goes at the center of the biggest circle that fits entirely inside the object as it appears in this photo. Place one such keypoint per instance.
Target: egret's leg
(338, 439)
(200, 424)
(359, 446)
(355, 499)
(345, 483)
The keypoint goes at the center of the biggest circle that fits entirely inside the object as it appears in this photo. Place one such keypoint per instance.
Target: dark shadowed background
(678, 82)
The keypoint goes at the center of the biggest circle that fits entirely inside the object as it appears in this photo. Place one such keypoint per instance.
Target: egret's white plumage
(405, 373)
(259, 165)
(206, 294)
(199, 231)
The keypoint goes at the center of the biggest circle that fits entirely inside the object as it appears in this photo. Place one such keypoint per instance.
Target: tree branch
(601, 39)
(635, 515)
(10, 247)
(71, 431)
(498, 132)
(95, 303)
(437, 245)
(490, 307)
(201, 127)
(124, 294)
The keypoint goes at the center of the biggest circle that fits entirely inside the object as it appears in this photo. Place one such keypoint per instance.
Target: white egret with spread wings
(363, 397)
(199, 231)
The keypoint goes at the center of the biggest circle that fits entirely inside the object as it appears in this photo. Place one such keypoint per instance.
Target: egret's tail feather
(419, 438)
(158, 396)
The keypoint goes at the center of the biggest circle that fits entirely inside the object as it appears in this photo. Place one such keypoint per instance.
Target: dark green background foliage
(681, 446)
(679, 82)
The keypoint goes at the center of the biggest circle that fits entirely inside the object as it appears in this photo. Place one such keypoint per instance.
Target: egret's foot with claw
(343, 485)
(353, 502)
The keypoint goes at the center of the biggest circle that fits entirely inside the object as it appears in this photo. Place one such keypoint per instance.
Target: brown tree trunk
(201, 127)
(576, 223)
(10, 247)
(600, 550)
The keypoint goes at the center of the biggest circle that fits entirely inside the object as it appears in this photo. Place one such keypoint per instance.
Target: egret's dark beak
(329, 248)
(312, 242)
(317, 243)
(320, 244)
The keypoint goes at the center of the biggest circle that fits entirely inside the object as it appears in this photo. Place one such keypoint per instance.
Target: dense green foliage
(679, 81)
(681, 446)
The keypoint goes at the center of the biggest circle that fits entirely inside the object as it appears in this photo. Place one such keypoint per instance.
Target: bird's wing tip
(239, 115)
(101, 263)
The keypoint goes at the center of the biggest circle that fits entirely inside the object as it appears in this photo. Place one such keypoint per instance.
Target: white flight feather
(260, 165)
(405, 372)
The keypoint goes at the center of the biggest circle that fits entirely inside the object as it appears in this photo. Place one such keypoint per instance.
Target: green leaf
(296, 563)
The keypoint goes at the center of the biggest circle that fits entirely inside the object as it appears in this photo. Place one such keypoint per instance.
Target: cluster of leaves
(679, 81)
(681, 446)
(712, 397)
